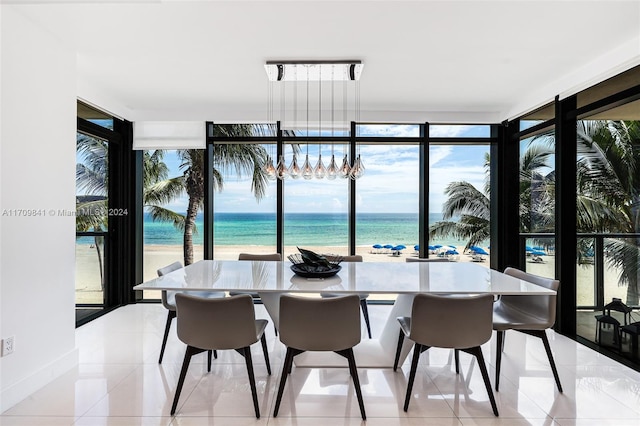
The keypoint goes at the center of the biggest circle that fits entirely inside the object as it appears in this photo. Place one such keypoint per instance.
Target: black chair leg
(412, 374)
(545, 341)
(365, 313)
(252, 380)
(356, 380)
(209, 353)
(400, 342)
(499, 348)
(183, 373)
(286, 368)
(456, 356)
(275, 330)
(170, 316)
(263, 340)
(477, 352)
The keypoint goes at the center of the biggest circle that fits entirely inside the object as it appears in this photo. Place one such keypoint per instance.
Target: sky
(389, 184)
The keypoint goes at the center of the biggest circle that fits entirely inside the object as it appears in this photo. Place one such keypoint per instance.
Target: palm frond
(463, 199)
(162, 214)
(164, 191)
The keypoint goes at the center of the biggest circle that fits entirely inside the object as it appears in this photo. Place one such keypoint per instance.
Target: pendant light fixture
(292, 73)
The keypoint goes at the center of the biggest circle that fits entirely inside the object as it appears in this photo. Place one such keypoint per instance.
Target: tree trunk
(100, 262)
(189, 227)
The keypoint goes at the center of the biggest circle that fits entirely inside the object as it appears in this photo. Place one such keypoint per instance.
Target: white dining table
(270, 279)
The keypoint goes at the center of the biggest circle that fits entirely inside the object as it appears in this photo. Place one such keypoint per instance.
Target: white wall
(37, 171)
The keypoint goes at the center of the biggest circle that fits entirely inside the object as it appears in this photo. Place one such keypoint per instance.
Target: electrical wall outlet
(7, 346)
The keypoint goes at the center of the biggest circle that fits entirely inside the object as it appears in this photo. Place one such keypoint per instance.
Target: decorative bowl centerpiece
(308, 264)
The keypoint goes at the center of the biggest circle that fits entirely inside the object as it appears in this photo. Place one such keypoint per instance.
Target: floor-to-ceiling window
(91, 218)
(316, 207)
(244, 204)
(170, 212)
(608, 222)
(387, 199)
(536, 191)
(459, 195)
(92, 176)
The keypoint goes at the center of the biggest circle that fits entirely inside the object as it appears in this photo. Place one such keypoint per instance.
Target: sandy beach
(88, 289)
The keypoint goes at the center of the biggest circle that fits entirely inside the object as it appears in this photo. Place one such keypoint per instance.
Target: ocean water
(313, 229)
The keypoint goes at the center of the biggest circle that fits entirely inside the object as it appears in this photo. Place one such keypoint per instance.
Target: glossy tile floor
(119, 382)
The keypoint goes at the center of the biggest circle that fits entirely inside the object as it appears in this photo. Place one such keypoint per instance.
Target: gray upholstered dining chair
(277, 257)
(218, 324)
(427, 259)
(462, 323)
(531, 315)
(169, 302)
(363, 296)
(273, 257)
(316, 324)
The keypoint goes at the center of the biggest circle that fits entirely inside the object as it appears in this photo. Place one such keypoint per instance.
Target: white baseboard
(25, 387)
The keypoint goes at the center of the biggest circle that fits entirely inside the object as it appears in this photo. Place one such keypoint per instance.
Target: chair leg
(170, 316)
(286, 368)
(275, 330)
(477, 352)
(356, 380)
(263, 340)
(209, 353)
(412, 374)
(499, 349)
(365, 313)
(547, 348)
(400, 342)
(183, 373)
(456, 356)
(252, 380)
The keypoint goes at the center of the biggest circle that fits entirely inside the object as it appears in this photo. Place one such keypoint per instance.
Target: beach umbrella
(388, 246)
(398, 248)
(432, 247)
(480, 250)
(377, 246)
(451, 252)
(539, 248)
(528, 248)
(416, 247)
(437, 246)
(453, 247)
(538, 253)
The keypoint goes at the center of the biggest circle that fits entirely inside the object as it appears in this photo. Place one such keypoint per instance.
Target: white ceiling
(437, 61)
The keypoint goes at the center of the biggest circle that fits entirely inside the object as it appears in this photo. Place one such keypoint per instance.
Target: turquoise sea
(313, 229)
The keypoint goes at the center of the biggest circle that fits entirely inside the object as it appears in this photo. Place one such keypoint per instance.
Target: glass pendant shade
(294, 169)
(358, 169)
(307, 170)
(345, 169)
(332, 170)
(319, 171)
(281, 169)
(269, 169)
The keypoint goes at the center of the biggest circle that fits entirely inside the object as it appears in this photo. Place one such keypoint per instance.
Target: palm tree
(473, 208)
(91, 178)
(609, 192)
(608, 195)
(243, 158)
